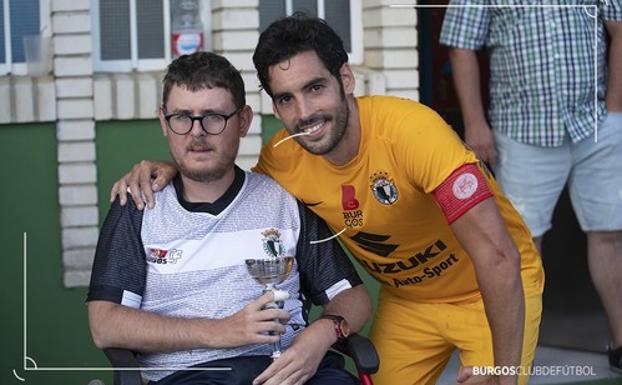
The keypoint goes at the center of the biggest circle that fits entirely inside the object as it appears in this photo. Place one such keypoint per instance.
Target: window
(130, 34)
(135, 34)
(344, 16)
(19, 18)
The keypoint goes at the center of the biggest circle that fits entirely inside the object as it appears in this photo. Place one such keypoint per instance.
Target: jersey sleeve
(428, 149)
(438, 162)
(119, 270)
(464, 25)
(325, 269)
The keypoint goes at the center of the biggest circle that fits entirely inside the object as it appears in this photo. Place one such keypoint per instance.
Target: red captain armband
(462, 190)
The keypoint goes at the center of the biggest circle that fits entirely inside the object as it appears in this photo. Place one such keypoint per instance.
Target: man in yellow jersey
(410, 201)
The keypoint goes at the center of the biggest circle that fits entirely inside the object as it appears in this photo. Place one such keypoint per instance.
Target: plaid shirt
(541, 63)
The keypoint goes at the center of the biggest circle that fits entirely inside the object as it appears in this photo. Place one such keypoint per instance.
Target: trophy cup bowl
(270, 272)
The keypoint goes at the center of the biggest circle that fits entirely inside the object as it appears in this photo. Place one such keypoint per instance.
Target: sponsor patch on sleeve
(462, 190)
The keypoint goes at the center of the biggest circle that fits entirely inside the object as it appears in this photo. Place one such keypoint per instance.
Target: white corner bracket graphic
(18, 377)
(33, 364)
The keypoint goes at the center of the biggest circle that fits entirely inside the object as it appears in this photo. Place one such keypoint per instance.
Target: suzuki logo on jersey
(272, 244)
(384, 188)
(348, 197)
(163, 256)
(374, 243)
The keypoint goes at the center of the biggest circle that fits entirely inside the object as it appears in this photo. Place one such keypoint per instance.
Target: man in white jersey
(171, 282)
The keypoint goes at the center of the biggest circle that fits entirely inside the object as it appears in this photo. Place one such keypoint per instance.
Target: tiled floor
(547, 357)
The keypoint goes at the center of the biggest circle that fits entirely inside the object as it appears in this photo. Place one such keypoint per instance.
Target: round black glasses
(212, 123)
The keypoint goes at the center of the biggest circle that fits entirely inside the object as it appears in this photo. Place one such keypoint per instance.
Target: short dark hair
(202, 70)
(292, 35)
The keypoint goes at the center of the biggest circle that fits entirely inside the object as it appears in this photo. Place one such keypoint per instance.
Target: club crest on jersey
(384, 188)
(163, 256)
(272, 244)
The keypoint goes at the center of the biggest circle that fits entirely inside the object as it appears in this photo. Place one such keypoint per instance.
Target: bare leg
(605, 263)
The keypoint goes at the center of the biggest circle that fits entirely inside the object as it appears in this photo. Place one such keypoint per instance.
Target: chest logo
(348, 197)
(352, 215)
(272, 244)
(384, 188)
(163, 257)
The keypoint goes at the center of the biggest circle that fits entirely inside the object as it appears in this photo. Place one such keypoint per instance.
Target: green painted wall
(269, 126)
(121, 144)
(58, 334)
(56, 317)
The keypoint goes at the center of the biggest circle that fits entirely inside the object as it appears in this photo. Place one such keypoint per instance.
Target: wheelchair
(357, 347)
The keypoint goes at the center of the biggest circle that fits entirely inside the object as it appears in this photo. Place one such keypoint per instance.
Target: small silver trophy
(270, 272)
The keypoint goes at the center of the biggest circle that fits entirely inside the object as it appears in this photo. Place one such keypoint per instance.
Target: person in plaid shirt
(556, 115)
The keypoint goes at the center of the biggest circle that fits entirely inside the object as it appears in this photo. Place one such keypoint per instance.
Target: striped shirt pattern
(191, 264)
(210, 279)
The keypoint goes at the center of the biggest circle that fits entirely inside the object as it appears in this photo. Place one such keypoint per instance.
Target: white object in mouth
(289, 137)
(314, 128)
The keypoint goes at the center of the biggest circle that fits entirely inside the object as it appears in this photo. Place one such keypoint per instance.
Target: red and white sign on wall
(186, 27)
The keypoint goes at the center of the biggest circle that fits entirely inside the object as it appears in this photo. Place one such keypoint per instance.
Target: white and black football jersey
(185, 259)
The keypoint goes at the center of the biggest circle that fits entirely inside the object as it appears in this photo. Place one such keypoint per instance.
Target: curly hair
(292, 35)
(202, 70)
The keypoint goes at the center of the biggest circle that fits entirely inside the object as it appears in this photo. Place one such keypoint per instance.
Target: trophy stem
(276, 350)
(276, 346)
(271, 272)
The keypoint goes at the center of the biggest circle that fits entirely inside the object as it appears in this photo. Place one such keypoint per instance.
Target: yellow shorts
(415, 340)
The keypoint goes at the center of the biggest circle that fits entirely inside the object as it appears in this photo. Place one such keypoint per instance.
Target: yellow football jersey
(382, 201)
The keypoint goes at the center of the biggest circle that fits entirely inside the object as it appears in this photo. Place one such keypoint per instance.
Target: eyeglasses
(212, 124)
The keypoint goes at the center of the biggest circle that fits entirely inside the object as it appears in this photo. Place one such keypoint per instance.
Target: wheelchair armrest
(362, 352)
(358, 348)
(124, 358)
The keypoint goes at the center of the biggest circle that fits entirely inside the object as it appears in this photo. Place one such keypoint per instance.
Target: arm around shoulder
(143, 179)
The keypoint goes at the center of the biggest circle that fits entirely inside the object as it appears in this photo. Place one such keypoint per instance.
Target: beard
(332, 138)
(204, 174)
